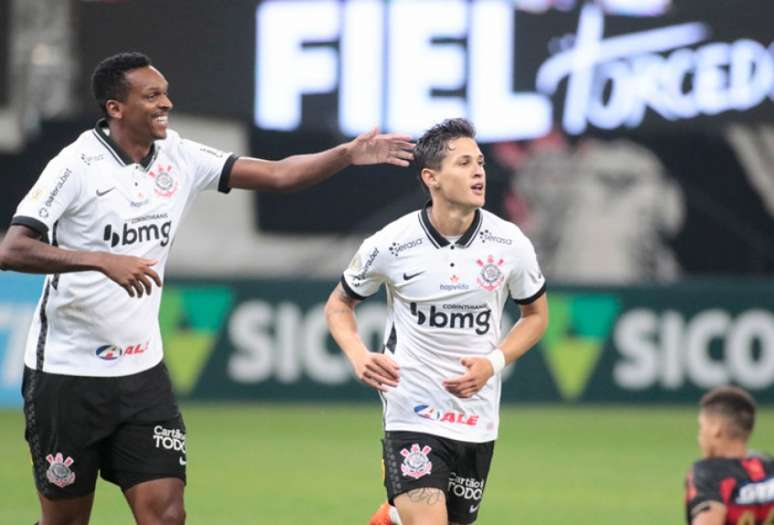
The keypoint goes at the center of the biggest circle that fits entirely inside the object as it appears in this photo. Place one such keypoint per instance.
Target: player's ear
(430, 178)
(114, 109)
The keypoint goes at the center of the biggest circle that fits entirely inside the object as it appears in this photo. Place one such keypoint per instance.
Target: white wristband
(497, 358)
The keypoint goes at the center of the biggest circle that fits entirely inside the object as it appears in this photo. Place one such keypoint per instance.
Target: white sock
(394, 516)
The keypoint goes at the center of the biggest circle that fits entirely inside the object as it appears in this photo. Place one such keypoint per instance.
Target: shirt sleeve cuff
(350, 292)
(534, 297)
(225, 174)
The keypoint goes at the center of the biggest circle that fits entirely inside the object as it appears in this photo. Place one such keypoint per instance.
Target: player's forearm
(32, 256)
(343, 327)
(523, 336)
(292, 173)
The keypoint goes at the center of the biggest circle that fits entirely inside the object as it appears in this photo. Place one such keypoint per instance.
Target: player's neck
(731, 450)
(451, 220)
(137, 149)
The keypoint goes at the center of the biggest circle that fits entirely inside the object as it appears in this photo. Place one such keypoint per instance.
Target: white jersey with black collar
(93, 197)
(445, 301)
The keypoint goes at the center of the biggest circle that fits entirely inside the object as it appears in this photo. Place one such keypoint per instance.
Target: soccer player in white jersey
(448, 270)
(100, 222)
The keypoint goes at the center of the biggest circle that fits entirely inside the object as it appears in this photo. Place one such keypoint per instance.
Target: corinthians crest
(491, 275)
(59, 472)
(165, 183)
(416, 463)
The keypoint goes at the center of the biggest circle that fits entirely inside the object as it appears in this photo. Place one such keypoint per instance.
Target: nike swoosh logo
(183, 461)
(409, 276)
(103, 193)
(474, 508)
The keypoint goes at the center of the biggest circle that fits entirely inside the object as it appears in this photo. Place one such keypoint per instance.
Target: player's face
(708, 430)
(461, 180)
(147, 106)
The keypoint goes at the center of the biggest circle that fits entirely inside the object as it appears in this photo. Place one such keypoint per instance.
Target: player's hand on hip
(378, 371)
(479, 370)
(372, 148)
(133, 274)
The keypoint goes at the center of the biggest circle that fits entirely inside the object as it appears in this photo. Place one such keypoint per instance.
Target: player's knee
(173, 514)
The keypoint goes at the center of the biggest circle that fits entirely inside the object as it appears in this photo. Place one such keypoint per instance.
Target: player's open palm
(372, 148)
(378, 371)
(133, 274)
(479, 370)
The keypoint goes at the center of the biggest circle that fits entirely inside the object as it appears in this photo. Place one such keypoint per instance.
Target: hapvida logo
(146, 233)
(479, 319)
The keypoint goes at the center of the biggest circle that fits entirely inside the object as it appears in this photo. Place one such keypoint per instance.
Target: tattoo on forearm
(428, 496)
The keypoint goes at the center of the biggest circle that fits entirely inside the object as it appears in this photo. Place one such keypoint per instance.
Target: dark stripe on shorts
(30, 414)
(391, 467)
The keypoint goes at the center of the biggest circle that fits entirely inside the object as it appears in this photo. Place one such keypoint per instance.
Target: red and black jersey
(745, 486)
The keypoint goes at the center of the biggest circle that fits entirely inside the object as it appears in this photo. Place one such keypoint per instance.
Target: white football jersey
(93, 197)
(445, 301)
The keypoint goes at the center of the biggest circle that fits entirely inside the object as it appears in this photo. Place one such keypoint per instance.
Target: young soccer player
(448, 270)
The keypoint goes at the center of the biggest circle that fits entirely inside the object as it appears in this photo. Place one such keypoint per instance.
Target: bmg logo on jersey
(471, 316)
(169, 438)
(140, 234)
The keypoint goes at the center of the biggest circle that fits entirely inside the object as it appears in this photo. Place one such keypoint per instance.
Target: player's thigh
(422, 506)
(73, 511)
(157, 501)
(468, 480)
(416, 473)
(67, 419)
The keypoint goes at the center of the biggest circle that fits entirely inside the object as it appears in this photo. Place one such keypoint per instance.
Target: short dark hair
(735, 405)
(430, 148)
(108, 82)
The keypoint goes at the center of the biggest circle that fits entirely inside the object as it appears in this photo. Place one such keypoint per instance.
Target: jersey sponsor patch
(416, 463)
(59, 472)
(446, 416)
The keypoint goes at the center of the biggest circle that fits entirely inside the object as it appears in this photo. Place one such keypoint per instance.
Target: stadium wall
(267, 340)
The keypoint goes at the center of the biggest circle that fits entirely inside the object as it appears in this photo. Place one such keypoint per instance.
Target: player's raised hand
(373, 148)
(376, 370)
(479, 370)
(133, 274)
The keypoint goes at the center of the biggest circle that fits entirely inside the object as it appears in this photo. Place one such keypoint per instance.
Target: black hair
(735, 405)
(431, 147)
(108, 82)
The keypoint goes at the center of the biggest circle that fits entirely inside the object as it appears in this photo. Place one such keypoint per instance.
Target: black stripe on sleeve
(350, 292)
(31, 223)
(225, 174)
(532, 298)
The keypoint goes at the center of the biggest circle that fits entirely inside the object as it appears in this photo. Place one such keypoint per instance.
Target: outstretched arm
(301, 171)
(22, 250)
(523, 336)
(376, 370)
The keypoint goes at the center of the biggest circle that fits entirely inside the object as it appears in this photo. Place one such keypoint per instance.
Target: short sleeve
(211, 167)
(526, 282)
(701, 487)
(55, 192)
(365, 273)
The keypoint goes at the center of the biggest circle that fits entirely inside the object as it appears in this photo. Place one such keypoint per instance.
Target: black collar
(119, 154)
(439, 240)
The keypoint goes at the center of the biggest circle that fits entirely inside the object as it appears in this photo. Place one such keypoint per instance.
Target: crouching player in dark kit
(448, 270)
(731, 485)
